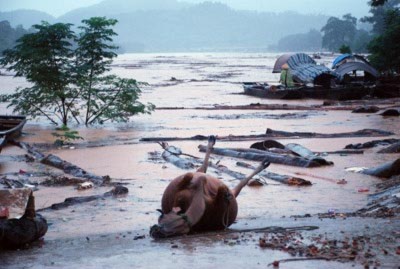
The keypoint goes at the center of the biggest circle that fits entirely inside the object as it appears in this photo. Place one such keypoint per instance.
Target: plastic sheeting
(348, 67)
(303, 68)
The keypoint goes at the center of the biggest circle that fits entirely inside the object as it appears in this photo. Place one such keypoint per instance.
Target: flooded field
(114, 232)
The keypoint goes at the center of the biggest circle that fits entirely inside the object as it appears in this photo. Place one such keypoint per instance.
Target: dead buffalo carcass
(196, 202)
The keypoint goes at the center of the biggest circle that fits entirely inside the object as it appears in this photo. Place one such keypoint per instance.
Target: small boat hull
(10, 128)
(266, 91)
(337, 93)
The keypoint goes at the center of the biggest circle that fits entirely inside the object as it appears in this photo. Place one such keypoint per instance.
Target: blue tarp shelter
(304, 69)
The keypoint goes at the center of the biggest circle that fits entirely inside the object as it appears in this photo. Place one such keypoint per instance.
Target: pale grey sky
(358, 8)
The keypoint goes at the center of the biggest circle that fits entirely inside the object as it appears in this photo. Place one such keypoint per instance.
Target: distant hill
(171, 25)
(116, 7)
(25, 17)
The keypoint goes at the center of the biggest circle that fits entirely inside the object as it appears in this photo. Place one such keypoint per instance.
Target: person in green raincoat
(286, 77)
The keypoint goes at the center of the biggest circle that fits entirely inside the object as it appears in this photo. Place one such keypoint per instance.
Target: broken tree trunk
(115, 192)
(171, 154)
(386, 170)
(58, 163)
(284, 179)
(360, 133)
(269, 156)
(373, 143)
(276, 134)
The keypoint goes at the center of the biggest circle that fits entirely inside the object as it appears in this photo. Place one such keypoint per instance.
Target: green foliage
(339, 32)
(378, 12)
(65, 136)
(385, 48)
(376, 3)
(70, 84)
(361, 41)
(115, 99)
(44, 58)
(345, 49)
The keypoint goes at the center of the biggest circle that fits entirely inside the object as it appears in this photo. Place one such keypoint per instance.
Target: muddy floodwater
(113, 233)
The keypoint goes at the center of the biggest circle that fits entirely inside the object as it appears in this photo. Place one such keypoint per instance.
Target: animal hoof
(212, 139)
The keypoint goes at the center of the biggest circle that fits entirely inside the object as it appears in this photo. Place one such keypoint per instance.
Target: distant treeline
(9, 35)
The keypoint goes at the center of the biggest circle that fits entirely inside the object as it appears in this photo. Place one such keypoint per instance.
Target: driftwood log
(284, 179)
(16, 233)
(275, 134)
(262, 155)
(386, 170)
(115, 192)
(373, 143)
(58, 163)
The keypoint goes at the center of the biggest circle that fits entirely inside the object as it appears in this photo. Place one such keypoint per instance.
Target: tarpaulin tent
(339, 59)
(304, 69)
(348, 67)
(281, 61)
(344, 58)
(348, 63)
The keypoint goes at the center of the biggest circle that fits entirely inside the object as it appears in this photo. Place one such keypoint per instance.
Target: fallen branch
(276, 134)
(284, 179)
(373, 143)
(54, 161)
(269, 156)
(171, 154)
(115, 192)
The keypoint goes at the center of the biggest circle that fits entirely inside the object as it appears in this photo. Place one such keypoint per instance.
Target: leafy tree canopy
(70, 83)
(385, 48)
(338, 32)
(378, 12)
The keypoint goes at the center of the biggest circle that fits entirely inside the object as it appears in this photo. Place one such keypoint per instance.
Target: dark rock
(267, 144)
(366, 109)
(395, 148)
(391, 113)
(19, 232)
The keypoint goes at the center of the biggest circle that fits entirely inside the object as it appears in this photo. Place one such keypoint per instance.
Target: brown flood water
(208, 79)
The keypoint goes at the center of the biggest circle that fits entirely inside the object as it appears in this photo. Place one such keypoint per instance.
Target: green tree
(70, 83)
(378, 12)
(94, 54)
(345, 49)
(339, 32)
(44, 58)
(361, 40)
(385, 48)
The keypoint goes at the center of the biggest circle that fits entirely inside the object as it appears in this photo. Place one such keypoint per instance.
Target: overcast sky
(357, 8)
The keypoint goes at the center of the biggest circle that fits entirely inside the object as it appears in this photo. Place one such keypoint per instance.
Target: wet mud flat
(114, 230)
(317, 226)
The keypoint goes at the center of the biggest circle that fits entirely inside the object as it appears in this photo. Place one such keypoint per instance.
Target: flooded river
(192, 81)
